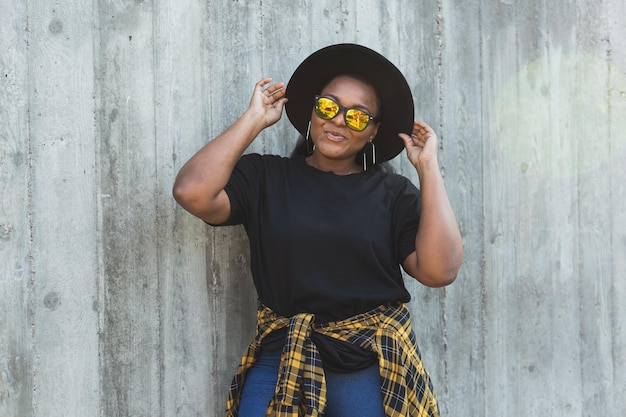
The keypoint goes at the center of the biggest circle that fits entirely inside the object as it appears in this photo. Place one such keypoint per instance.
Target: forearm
(439, 247)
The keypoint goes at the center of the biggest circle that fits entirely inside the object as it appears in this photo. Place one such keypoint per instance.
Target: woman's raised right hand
(267, 102)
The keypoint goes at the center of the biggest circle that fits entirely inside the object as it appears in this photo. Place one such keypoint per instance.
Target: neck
(338, 167)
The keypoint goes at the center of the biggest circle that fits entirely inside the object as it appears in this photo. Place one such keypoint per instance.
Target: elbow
(187, 199)
(193, 199)
(180, 192)
(440, 279)
(446, 273)
(185, 194)
(451, 272)
(435, 277)
(448, 277)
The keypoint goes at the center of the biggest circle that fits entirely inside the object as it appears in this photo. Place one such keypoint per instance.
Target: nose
(340, 118)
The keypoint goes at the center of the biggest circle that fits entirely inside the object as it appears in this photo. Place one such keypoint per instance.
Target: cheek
(316, 126)
(359, 141)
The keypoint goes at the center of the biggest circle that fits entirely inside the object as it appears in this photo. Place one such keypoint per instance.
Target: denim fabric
(348, 394)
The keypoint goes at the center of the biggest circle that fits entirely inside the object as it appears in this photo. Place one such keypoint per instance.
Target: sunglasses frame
(344, 110)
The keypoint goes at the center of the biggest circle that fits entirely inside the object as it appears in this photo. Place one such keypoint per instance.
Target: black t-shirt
(322, 243)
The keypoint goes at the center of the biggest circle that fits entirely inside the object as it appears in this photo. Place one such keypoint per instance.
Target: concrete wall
(115, 302)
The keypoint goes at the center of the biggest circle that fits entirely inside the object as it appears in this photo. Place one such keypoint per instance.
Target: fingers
(275, 89)
(264, 82)
(260, 86)
(276, 93)
(272, 94)
(270, 90)
(421, 144)
(408, 140)
(419, 141)
(421, 132)
(420, 135)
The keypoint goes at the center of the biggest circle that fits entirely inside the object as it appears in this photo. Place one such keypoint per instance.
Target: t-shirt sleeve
(243, 187)
(406, 214)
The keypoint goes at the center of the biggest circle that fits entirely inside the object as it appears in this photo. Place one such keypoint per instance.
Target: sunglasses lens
(357, 119)
(326, 108)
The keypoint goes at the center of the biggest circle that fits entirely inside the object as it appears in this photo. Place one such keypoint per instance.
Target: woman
(328, 233)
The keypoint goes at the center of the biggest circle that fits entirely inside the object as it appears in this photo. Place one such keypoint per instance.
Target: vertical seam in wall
(549, 58)
(209, 259)
(581, 296)
(440, 79)
(159, 249)
(441, 102)
(612, 302)
(29, 205)
(483, 266)
(99, 208)
(212, 294)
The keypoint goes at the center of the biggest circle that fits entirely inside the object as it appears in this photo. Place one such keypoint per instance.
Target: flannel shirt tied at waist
(301, 387)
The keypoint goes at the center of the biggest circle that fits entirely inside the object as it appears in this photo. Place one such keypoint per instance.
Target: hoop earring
(306, 139)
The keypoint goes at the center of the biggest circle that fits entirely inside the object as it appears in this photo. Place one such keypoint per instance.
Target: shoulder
(257, 158)
(262, 162)
(396, 182)
(265, 158)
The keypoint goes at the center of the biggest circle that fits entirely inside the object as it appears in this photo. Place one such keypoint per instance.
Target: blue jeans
(348, 394)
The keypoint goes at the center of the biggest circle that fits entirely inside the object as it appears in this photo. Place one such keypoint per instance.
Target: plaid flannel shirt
(301, 387)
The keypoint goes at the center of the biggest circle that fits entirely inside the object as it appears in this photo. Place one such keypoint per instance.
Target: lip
(335, 136)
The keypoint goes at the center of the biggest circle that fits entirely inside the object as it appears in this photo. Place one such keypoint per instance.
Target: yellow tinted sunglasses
(356, 119)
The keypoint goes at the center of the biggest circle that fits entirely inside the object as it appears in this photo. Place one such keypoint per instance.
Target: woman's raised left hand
(422, 145)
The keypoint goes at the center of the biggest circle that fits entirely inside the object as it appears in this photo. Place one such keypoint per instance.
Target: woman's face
(332, 138)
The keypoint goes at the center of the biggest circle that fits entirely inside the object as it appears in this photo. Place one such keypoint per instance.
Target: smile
(335, 136)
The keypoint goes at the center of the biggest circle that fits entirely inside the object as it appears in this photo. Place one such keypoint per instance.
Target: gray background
(116, 302)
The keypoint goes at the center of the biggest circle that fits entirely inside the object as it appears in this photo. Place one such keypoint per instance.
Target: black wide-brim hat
(322, 66)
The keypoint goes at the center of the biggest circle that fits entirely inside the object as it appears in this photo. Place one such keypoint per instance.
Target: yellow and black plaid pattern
(301, 386)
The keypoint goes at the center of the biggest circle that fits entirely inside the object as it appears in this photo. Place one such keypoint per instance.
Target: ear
(374, 131)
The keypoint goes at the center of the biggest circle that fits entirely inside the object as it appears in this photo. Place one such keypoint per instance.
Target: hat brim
(391, 86)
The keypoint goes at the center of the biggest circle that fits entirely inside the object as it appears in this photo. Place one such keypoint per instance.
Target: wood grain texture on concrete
(116, 302)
